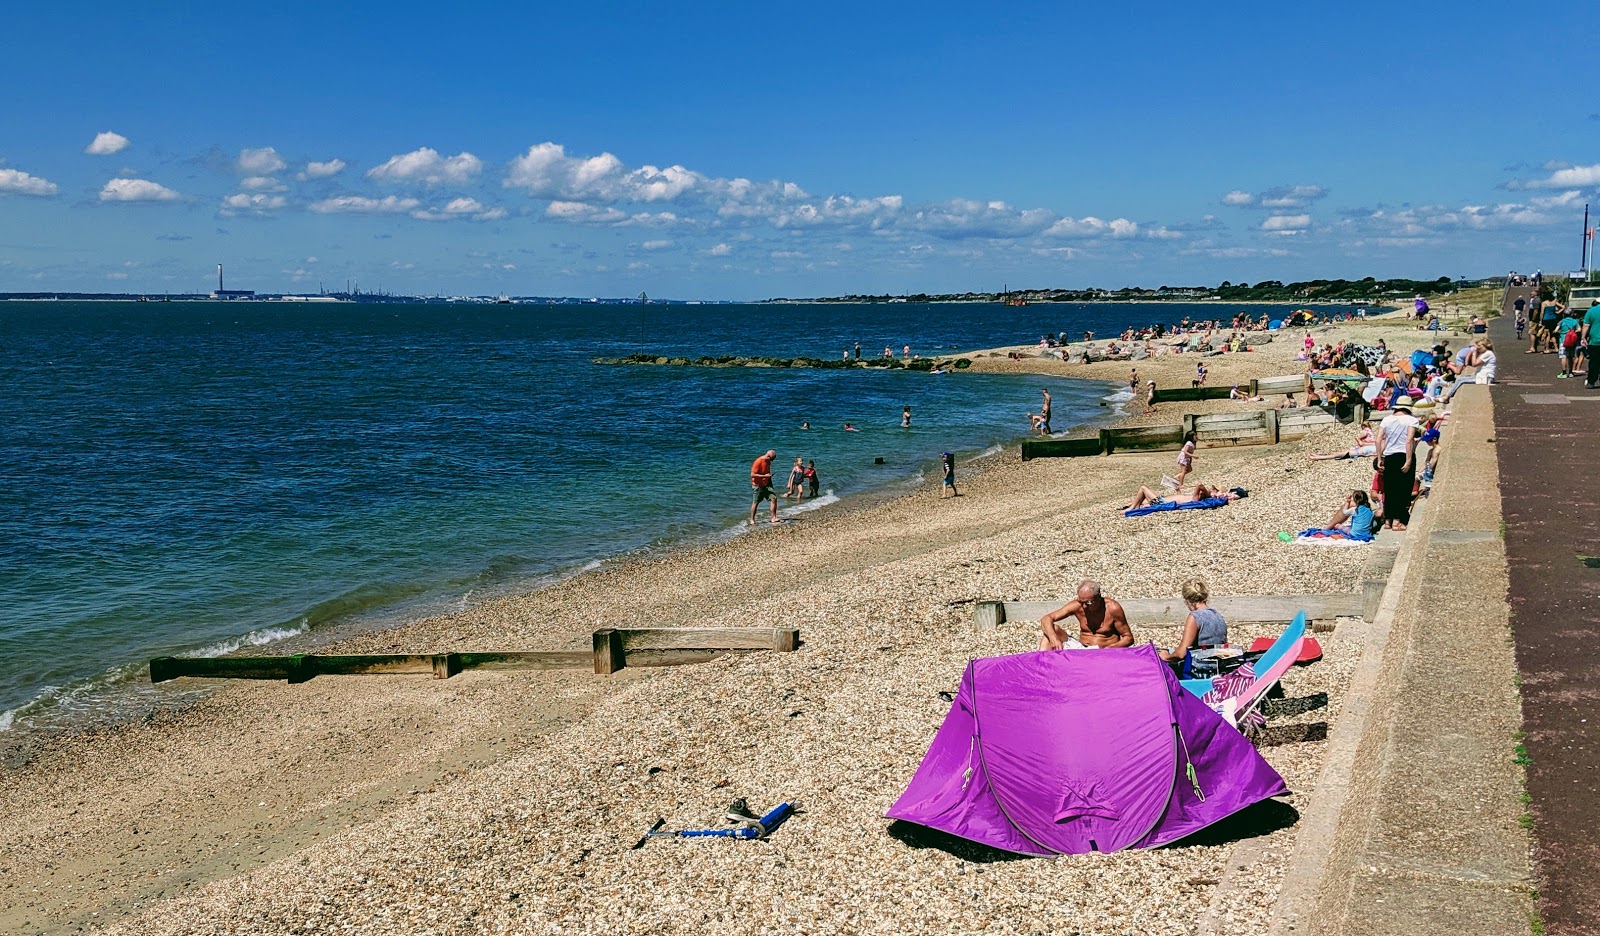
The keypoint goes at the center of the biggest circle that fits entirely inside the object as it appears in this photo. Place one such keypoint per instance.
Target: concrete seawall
(1416, 824)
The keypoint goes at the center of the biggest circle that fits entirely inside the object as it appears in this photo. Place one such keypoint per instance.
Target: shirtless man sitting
(1101, 622)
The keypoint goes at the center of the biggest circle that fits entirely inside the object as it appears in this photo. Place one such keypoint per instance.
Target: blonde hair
(1195, 591)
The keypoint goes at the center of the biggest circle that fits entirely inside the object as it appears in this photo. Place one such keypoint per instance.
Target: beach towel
(1325, 536)
(1206, 504)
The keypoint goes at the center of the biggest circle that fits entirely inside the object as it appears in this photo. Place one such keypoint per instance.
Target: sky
(728, 151)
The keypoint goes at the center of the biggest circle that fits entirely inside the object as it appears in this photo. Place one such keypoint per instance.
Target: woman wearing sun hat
(1397, 444)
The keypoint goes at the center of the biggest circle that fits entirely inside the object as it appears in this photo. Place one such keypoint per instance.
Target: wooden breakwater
(1213, 430)
(1264, 386)
(611, 649)
(736, 360)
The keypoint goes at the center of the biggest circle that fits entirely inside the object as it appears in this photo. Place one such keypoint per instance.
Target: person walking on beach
(1044, 414)
(1186, 458)
(948, 461)
(1150, 398)
(761, 485)
(1397, 443)
(905, 418)
(1101, 622)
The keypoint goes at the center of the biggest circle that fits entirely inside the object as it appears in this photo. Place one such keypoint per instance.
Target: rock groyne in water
(733, 360)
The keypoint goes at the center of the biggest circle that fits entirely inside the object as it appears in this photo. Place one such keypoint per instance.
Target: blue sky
(728, 151)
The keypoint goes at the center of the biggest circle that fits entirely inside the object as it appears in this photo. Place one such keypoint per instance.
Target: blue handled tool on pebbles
(745, 825)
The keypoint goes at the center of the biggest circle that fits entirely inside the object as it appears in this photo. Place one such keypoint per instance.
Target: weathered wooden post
(1255, 387)
(1105, 442)
(608, 653)
(1188, 424)
(1272, 426)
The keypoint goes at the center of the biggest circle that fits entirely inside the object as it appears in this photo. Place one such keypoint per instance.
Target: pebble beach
(511, 802)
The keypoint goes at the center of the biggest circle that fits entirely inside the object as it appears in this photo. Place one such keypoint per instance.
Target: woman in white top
(1486, 363)
(1397, 443)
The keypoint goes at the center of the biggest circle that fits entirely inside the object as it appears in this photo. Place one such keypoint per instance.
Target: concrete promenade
(1548, 445)
(1416, 823)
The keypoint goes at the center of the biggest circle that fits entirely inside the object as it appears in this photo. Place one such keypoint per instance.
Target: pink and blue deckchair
(1236, 706)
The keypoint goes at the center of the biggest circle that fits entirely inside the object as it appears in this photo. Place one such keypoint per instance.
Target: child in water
(949, 462)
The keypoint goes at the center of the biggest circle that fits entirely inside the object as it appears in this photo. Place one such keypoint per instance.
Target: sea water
(196, 477)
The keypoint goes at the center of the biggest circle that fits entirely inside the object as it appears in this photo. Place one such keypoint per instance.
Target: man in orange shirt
(761, 485)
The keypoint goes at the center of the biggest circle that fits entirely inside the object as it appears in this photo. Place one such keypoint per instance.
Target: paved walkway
(1548, 443)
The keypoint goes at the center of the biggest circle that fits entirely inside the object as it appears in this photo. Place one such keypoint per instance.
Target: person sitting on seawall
(1202, 491)
(1486, 362)
(1101, 622)
(1366, 446)
(1203, 629)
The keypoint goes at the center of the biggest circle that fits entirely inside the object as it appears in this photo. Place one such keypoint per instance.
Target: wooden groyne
(612, 649)
(1214, 430)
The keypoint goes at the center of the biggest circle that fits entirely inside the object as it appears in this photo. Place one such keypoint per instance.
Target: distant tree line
(1310, 291)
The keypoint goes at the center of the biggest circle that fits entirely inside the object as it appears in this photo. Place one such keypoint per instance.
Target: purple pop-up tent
(1066, 752)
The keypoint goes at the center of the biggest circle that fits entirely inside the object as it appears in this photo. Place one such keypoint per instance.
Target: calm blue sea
(194, 477)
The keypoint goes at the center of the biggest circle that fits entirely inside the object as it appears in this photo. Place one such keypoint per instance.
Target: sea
(201, 477)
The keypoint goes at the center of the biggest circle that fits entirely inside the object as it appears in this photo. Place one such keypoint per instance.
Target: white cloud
(251, 204)
(263, 161)
(581, 213)
(656, 244)
(1423, 220)
(460, 208)
(262, 184)
(1570, 177)
(117, 276)
(136, 190)
(845, 211)
(427, 165)
(546, 171)
(1091, 227)
(1276, 198)
(17, 182)
(357, 204)
(1163, 233)
(721, 250)
(323, 170)
(1565, 199)
(1286, 224)
(104, 144)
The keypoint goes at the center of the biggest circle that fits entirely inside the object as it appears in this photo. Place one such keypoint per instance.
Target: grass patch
(1522, 756)
(1526, 821)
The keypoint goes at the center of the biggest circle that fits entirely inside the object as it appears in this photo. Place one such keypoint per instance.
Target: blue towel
(1335, 533)
(1206, 504)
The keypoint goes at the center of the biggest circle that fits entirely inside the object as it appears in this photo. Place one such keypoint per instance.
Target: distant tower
(219, 278)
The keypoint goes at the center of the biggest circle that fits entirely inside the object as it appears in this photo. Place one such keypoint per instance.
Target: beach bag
(1571, 340)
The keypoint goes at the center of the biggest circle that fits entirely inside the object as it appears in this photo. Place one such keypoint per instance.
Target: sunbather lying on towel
(1353, 521)
(1202, 491)
(1366, 446)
